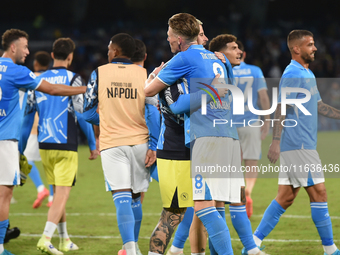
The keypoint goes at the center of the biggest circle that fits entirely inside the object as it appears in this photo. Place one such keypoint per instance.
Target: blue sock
(125, 218)
(51, 190)
(35, 175)
(269, 220)
(138, 214)
(242, 226)
(182, 232)
(322, 222)
(3, 230)
(217, 229)
(221, 211)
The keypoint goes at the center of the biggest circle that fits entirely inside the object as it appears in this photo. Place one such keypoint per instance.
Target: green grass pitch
(92, 223)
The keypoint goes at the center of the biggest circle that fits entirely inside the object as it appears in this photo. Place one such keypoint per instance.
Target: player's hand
(150, 158)
(217, 81)
(158, 69)
(274, 151)
(25, 169)
(220, 56)
(94, 154)
(159, 107)
(264, 130)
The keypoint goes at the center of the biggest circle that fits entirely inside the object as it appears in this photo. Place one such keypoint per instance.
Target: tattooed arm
(166, 226)
(328, 111)
(274, 149)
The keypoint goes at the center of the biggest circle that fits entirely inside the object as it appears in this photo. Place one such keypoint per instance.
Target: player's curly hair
(62, 47)
(126, 43)
(12, 35)
(185, 24)
(220, 42)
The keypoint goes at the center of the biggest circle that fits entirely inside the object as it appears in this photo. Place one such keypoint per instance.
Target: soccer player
(251, 77)
(153, 122)
(57, 138)
(126, 151)
(193, 61)
(174, 163)
(41, 63)
(296, 146)
(15, 79)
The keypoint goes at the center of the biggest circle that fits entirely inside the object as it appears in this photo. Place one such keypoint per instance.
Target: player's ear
(146, 55)
(13, 47)
(296, 49)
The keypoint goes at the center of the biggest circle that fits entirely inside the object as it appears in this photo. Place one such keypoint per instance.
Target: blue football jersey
(15, 80)
(57, 119)
(304, 134)
(198, 67)
(248, 77)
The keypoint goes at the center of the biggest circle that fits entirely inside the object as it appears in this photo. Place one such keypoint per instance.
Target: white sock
(49, 229)
(62, 230)
(329, 249)
(202, 253)
(130, 248)
(174, 249)
(254, 251)
(2, 248)
(50, 198)
(257, 241)
(153, 253)
(40, 188)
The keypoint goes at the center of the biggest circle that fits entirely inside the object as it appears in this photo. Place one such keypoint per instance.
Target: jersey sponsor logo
(128, 93)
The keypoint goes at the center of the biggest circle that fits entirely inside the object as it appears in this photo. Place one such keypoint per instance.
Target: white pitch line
(158, 214)
(148, 237)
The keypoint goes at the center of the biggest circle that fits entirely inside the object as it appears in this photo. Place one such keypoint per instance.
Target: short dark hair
(12, 35)
(220, 42)
(185, 24)
(297, 35)
(126, 43)
(240, 45)
(62, 47)
(43, 58)
(140, 51)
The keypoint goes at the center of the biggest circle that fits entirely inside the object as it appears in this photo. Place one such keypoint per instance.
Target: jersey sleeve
(289, 80)
(87, 130)
(25, 78)
(91, 100)
(176, 68)
(153, 121)
(77, 100)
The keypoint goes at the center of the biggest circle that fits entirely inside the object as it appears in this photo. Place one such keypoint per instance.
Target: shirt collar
(297, 64)
(121, 60)
(196, 46)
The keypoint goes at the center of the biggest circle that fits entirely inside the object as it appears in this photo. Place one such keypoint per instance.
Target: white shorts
(32, 149)
(250, 139)
(124, 168)
(9, 166)
(300, 168)
(215, 169)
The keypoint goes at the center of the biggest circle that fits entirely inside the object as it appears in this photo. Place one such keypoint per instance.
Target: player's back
(57, 121)
(121, 105)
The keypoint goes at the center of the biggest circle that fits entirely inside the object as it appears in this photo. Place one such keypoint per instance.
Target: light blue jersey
(15, 80)
(198, 67)
(304, 134)
(246, 77)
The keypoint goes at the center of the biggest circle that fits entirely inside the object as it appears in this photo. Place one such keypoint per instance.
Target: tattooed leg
(166, 226)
